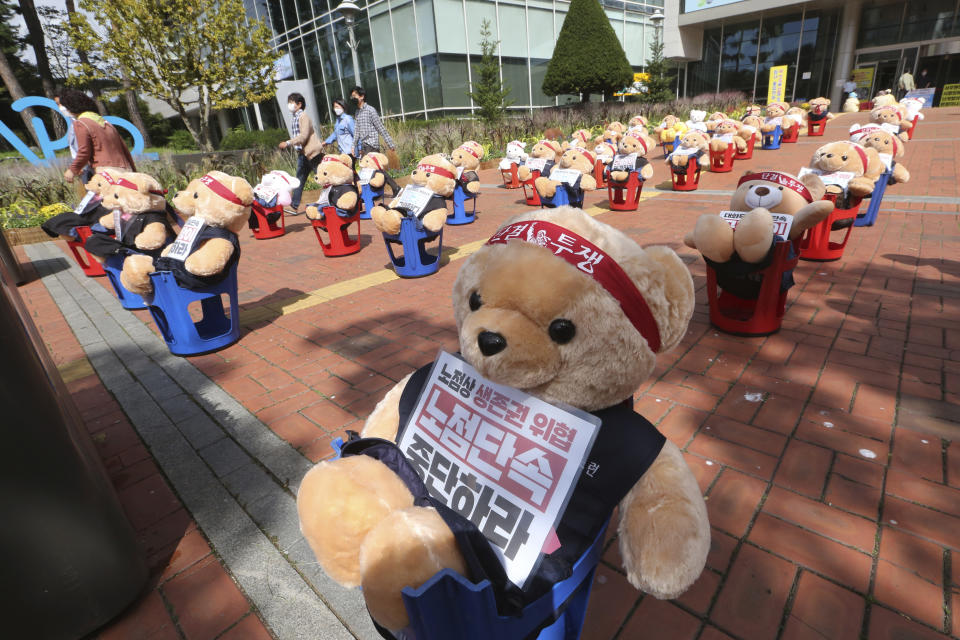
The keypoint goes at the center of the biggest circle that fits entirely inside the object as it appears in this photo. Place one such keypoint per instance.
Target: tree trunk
(35, 35)
(134, 109)
(85, 59)
(206, 141)
(16, 92)
(197, 135)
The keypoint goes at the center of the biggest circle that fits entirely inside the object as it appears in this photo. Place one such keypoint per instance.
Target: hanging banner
(863, 77)
(778, 84)
(950, 96)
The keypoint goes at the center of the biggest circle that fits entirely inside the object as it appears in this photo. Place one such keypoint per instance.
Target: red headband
(217, 187)
(440, 171)
(470, 151)
(335, 159)
(106, 176)
(862, 153)
(778, 177)
(126, 184)
(375, 161)
(586, 153)
(553, 146)
(595, 263)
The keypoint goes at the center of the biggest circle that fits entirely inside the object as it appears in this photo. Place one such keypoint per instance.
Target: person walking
(305, 140)
(94, 142)
(369, 127)
(924, 81)
(343, 129)
(849, 87)
(906, 84)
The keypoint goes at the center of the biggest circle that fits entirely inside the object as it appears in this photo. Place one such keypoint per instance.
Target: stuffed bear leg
(153, 236)
(712, 237)
(546, 187)
(860, 186)
(900, 173)
(753, 235)
(135, 276)
(386, 220)
(314, 212)
(210, 258)
(435, 219)
(384, 421)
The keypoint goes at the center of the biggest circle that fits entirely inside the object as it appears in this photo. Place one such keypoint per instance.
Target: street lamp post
(349, 10)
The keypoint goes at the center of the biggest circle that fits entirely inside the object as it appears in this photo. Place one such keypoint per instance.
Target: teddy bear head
(134, 193)
(185, 201)
(467, 155)
(669, 121)
(847, 156)
(375, 161)
(776, 191)
(516, 150)
(694, 139)
(605, 149)
(222, 200)
(633, 144)
(335, 169)
(753, 110)
(436, 173)
(777, 109)
(752, 121)
(697, 115)
(912, 105)
(873, 136)
(638, 121)
(580, 138)
(885, 114)
(819, 105)
(616, 127)
(104, 177)
(717, 116)
(726, 126)
(590, 346)
(884, 97)
(579, 159)
(547, 149)
(796, 112)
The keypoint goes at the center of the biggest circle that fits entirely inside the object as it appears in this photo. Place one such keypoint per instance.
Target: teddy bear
(565, 332)
(136, 214)
(819, 109)
(612, 133)
(715, 119)
(90, 209)
(729, 132)
(694, 144)
(336, 179)
(466, 158)
(753, 110)
(573, 160)
(217, 206)
(548, 151)
(275, 190)
(739, 255)
(888, 147)
(890, 117)
(851, 104)
(373, 171)
(670, 128)
(431, 182)
(799, 115)
(631, 157)
(777, 116)
(579, 140)
(516, 154)
(605, 151)
(638, 121)
(884, 97)
(913, 108)
(696, 121)
(752, 123)
(836, 161)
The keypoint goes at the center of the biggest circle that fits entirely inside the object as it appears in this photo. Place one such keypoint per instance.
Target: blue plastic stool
(368, 195)
(771, 139)
(668, 147)
(562, 197)
(460, 215)
(870, 217)
(183, 335)
(128, 300)
(415, 261)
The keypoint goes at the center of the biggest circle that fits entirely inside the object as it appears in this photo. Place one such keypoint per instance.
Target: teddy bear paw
(753, 235)
(546, 187)
(713, 237)
(314, 212)
(386, 220)
(136, 274)
(434, 220)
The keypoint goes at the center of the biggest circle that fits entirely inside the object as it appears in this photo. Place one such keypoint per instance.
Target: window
(425, 27)
(431, 81)
(453, 74)
(389, 91)
(410, 86)
(404, 30)
(514, 72)
(880, 25)
(382, 35)
(513, 31)
(739, 51)
(779, 43)
(541, 26)
(538, 71)
(927, 20)
(817, 49)
(702, 75)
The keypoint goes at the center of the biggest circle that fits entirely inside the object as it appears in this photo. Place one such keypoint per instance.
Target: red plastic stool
(791, 134)
(341, 244)
(598, 168)
(816, 245)
(510, 178)
(530, 191)
(266, 229)
(683, 182)
(759, 317)
(625, 196)
(722, 161)
(816, 127)
(866, 105)
(746, 155)
(916, 120)
(87, 263)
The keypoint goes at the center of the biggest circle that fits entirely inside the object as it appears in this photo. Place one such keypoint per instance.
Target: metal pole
(353, 53)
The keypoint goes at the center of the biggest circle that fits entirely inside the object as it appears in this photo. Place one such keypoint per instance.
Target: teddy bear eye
(475, 301)
(196, 195)
(781, 188)
(844, 158)
(562, 331)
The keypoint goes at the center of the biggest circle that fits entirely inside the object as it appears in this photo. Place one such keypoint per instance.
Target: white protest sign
(120, 219)
(624, 162)
(365, 176)
(566, 176)
(726, 137)
(459, 173)
(501, 458)
(324, 199)
(838, 178)
(265, 192)
(781, 221)
(777, 122)
(685, 151)
(535, 164)
(187, 237)
(82, 207)
(887, 160)
(413, 198)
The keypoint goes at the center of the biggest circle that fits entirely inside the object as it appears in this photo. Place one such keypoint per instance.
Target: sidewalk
(827, 452)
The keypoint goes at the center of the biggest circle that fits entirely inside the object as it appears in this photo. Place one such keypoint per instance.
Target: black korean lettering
(498, 525)
(482, 510)
(520, 536)
(419, 452)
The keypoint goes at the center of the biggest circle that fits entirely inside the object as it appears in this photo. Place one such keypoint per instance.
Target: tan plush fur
(842, 156)
(572, 158)
(547, 149)
(367, 162)
(632, 144)
(335, 170)
(462, 157)
(777, 110)
(821, 105)
(669, 128)
(664, 527)
(885, 142)
(98, 185)
(387, 219)
(692, 139)
(154, 235)
(728, 127)
(890, 114)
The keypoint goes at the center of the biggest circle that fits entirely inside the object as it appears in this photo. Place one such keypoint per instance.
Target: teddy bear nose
(491, 343)
(761, 191)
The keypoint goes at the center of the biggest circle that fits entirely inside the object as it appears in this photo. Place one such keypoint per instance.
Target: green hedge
(241, 138)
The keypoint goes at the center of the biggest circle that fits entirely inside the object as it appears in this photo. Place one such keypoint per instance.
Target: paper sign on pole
(781, 221)
(566, 176)
(778, 84)
(838, 178)
(413, 198)
(186, 238)
(501, 458)
(535, 164)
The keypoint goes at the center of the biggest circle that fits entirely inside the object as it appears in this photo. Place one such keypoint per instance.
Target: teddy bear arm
(378, 180)
(664, 529)
(588, 183)
(386, 220)
(153, 236)
(384, 420)
(313, 212)
(900, 173)
(523, 172)
(646, 172)
(619, 176)
(136, 274)
(860, 186)
(809, 216)
(348, 201)
(435, 219)
(107, 220)
(546, 187)
(210, 257)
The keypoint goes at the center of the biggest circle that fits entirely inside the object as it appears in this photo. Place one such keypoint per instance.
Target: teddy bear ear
(814, 185)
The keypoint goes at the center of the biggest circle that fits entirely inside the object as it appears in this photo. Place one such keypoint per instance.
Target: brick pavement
(827, 452)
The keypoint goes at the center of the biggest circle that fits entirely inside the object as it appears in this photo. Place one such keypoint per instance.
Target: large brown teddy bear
(547, 150)
(434, 176)
(890, 117)
(204, 255)
(846, 157)
(694, 144)
(137, 215)
(64, 224)
(466, 158)
(888, 146)
(577, 159)
(632, 151)
(729, 132)
(558, 334)
(737, 254)
(335, 176)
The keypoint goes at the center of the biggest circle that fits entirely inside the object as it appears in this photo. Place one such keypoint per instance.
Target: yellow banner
(863, 77)
(778, 84)
(641, 77)
(950, 96)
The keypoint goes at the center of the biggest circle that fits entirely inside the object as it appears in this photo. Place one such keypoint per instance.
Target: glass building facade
(418, 57)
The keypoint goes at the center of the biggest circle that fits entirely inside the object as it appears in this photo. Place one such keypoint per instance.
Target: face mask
(353, 99)
(292, 106)
(338, 111)
(65, 111)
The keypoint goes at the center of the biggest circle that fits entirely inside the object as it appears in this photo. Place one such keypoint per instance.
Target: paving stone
(224, 456)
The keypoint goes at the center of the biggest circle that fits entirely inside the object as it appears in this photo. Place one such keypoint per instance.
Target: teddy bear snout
(761, 191)
(491, 343)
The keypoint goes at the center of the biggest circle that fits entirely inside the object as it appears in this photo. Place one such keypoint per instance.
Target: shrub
(181, 140)
(242, 138)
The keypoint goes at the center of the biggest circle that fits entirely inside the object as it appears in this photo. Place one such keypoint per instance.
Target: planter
(30, 235)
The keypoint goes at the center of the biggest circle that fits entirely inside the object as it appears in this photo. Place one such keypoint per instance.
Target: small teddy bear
(573, 161)
(753, 110)
(846, 167)
(799, 116)
(579, 140)
(851, 104)
(90, 209)
(466, 158)
(605, 151)
(638, 121)
(696, 121)
(217, 206)
(612, 133)
(738, 255)
(913, 107)
(373, 171)
(137, 215)
(335, 177)
(431, 182)
(547, 151)
(777, 117)
(274, 191)
(631, 157)
(694, 144)
(669, 128)
(714, 119)
(532, 315)
(888, 147)
(884, 97)
(516, 154)
(729, 132)
(890, 117)
(819, 109)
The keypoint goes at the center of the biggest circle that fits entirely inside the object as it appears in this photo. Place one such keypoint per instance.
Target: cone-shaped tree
(588, 57)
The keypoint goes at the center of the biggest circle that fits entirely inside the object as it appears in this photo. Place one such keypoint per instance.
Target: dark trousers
(305, 167)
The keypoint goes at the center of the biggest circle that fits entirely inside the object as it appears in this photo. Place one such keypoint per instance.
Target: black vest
(104, 246)
(190, 281)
